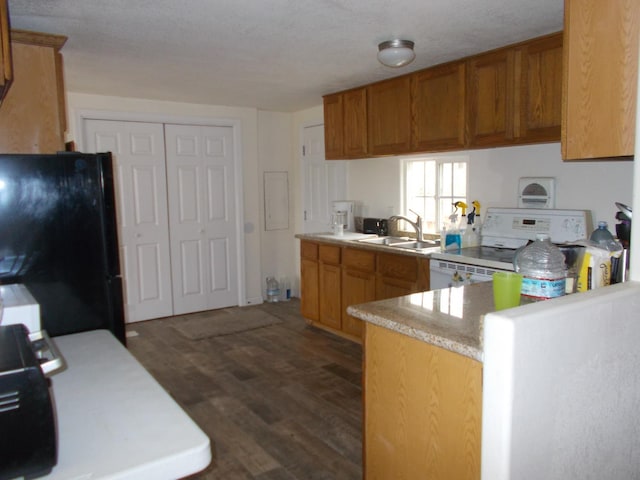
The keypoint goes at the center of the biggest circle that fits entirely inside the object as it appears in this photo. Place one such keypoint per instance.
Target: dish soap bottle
(543, 269)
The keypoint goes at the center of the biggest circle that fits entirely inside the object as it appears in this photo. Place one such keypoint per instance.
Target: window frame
(441, 217)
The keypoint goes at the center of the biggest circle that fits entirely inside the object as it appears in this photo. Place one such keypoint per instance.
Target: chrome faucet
(417, 225)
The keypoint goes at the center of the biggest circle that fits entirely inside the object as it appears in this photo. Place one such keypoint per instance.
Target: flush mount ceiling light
(396, 53)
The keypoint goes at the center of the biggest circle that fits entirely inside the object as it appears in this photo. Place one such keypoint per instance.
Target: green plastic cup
(506, 289)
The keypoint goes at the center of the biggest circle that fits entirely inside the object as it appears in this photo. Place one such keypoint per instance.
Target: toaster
(374, 225)
(28, 445)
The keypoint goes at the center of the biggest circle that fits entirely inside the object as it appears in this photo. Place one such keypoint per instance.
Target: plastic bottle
(273, 290)
(453, 240)
(543, 269)
(601, 235)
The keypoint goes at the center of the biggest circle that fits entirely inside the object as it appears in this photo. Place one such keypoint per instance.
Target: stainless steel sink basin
(417, 245)
(385, 240)
(401, 242)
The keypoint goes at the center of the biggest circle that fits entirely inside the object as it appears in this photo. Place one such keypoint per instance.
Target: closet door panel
(143, 224)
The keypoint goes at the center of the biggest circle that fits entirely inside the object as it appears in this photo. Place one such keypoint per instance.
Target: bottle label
(543, 288)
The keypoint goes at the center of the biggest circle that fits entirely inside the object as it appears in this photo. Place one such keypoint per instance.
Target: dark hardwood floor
(279, 402)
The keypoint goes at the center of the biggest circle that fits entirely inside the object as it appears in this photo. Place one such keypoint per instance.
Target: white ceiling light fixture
(396, 53)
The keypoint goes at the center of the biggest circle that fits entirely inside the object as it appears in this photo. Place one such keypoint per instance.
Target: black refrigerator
(58, 236)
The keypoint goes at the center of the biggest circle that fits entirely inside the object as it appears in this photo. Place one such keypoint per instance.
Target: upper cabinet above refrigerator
(33, 114)
(6, 68)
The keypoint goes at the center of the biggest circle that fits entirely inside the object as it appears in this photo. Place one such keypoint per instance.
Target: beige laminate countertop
(450, 318)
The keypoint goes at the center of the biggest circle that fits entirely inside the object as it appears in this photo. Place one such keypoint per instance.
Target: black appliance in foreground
(28, 446)
(58, 236)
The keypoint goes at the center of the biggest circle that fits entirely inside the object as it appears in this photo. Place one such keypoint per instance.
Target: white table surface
(115, 421)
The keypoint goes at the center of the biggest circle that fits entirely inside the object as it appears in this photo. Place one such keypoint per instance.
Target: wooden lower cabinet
(330, 287)
(358, 285)
(309, 278)
(397, 275)
(334, 277)
(423, 410)
(330, 296)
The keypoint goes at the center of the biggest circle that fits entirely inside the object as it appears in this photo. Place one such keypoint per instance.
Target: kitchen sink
(401, 242)
(417, 245)
(385, 240)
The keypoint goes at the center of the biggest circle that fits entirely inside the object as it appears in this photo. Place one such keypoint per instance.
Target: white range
(504, 231)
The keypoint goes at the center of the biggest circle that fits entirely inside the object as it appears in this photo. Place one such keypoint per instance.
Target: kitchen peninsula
(423, 383)
(423, 354)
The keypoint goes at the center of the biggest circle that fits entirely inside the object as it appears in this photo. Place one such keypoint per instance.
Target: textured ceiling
(280, 55)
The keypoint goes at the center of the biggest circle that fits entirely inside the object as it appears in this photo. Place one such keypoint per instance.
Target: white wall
(248, 118)
(275, 145)
(493, 180)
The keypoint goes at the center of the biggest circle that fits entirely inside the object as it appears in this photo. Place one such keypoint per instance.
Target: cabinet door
(389, 116)
(397, 276)
(355, 123)
(330, 296)
(491, 98)
(309, 281)
(330, 286)
(33, 118)
(438, 108)
(358, 285)
(540, 90)
(333, 127)
(6, 67)
(435, 395)
(601, 65)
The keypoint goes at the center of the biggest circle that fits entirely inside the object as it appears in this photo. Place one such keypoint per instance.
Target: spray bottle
(453, 240)
(471, 236)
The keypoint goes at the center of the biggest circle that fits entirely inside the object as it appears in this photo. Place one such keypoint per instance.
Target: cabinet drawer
(309, 250)
(330, 254)
(398, 266)
(362, 260)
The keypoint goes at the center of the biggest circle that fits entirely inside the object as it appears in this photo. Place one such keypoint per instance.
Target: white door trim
(91, 114)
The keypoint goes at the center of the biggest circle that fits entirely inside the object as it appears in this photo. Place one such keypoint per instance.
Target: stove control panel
(514, 227)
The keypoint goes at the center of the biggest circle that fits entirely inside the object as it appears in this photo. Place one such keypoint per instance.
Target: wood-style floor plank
(282, 402)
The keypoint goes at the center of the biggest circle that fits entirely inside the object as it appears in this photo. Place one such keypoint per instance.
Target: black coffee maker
(623, 232)
(623, 228)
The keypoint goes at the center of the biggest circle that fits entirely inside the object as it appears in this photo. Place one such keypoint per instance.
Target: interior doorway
(324, 181)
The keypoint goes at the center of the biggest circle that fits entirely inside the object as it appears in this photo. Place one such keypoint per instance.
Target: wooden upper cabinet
(355, 123)
(6, 67)
(491, 84)
(333, 127)
(33, 114)
(438, 108)
(389, 116)
(540, 90)
(509, 96)
(345, 124)
(601, 64)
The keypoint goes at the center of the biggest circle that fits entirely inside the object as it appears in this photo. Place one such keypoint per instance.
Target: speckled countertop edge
(462, 335)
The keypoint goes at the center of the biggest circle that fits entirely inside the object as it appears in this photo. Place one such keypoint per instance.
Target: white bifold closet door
(176, 214)
(143, 224)
(202, 217)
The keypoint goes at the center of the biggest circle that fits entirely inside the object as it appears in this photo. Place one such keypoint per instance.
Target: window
(431, 187)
